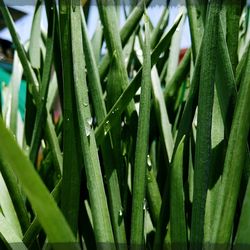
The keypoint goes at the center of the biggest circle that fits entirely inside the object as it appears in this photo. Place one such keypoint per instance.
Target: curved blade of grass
(35, 37)
(35, 227)
(203, 138)
(9, 235)
(41, 110)
(99, 208)
(16, 196)
(139, 181)
(134, 85)
(7, 208)
(43, 204)
(177, 210)
(233, 165)
(15, 86)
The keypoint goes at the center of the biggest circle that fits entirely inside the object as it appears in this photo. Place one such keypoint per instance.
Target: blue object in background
(5, 80)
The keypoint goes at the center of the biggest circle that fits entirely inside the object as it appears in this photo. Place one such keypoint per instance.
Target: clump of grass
(145, 153)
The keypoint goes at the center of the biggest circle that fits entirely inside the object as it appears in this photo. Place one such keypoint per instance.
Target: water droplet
(120, 213)
(149, 179)
(106, 127)
(123, 124)
(161, 55)
(88, 130)
(149, 163)
(85, 104)
(88, 126)
(90, 121)
(124, 149)
(43, 144)
(144, 204)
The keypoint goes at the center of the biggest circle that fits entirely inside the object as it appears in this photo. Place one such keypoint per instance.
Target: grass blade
(46, 209)
(9, 235)
(71, 157)
(203, 138)
(114, 196)
(15, 87)
(35, 37)
(233, 165)
(41, 110)
(7, 208)
(139, 181)
(242, 235)
(98, 202)
(177, 210)
(16, 196)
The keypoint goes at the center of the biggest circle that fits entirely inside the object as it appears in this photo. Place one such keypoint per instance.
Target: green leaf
(43, 204)
(177, 209)
(114, 197)
(98, 201)
(139, 179)
(35, 37)
(234, 163)
(204, 124)
(8, 234)
(243, 230)
(71, 157)
(8, 208)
